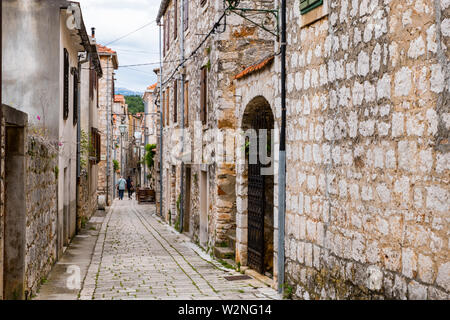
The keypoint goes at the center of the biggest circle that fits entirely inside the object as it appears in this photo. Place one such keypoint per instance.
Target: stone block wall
(41, 204)
(86, 201)
(105, 101)
(224, 55)
(367, 157)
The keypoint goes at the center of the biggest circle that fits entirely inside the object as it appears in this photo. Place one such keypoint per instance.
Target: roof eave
(162, 10)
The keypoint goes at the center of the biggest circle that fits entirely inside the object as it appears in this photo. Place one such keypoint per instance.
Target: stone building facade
(367, 148)
(28, 239)
(109, 63)
(90, 140)
(209, 108)
(42, 162)
(150, 132)
(120, 142)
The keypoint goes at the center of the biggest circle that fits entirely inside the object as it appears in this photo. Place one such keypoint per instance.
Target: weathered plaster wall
(67, 137)
(29, 71)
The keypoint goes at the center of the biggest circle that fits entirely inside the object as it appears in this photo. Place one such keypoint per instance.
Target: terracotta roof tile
(103, 49)
(119, 98)
(255, 67)
(152, 87)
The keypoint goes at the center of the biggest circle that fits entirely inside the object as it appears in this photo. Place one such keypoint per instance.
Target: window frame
(76, 88)
(175, 101)
(186, 104)
(186, 14)
(66, 70)
(204, 95)
(310, 5)
(175, 19)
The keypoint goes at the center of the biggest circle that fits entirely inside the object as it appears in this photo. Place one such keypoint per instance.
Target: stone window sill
(314, 15)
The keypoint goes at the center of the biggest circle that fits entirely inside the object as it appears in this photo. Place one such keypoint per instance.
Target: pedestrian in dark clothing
(130, 187)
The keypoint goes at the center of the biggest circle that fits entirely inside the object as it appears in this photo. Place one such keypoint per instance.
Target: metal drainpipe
(161, 148)
(182, 118)
(107, 134)
(282, 160)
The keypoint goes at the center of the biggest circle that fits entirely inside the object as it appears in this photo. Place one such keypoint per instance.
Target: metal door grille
(256, 205)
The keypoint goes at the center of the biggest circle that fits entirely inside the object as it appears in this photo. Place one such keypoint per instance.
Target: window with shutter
(186, 14)
(96, 88)
(186, 104)
(168, 31)
(66, 85)
(165, 37)
(91, 80)
(175, 101)
(167, 108)
(203, 96)
(308, 5)
(75, 96)
(99, 147)
(175, 19)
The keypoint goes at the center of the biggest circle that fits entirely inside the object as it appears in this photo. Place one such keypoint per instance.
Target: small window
(186, 14)
(167, 108)
(163, 108)
(66, 85)
(165, 37)
(168, 31)
(203, 2)
(94, 151)
(204, 95)
(175, 19)
(186, 104)
(308, 5)
(91, 80)
(175, 101)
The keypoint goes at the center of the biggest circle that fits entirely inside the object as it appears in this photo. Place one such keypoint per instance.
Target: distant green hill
(135, 104)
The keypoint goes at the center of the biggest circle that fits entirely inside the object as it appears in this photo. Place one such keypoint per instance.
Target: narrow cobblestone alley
(139, 257)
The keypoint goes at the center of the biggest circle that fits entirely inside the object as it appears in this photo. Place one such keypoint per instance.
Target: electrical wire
(128, 34)
(193, 53)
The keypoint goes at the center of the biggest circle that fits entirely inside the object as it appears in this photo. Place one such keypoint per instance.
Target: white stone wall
(367, 196)
(367, 150)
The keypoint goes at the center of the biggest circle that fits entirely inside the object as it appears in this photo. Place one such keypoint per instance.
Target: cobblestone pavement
(139, 257)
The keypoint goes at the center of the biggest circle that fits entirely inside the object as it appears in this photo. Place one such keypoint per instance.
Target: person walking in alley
(121, 185)
(130, 187)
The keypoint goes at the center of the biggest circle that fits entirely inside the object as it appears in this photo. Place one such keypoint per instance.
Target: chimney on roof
(93, 32)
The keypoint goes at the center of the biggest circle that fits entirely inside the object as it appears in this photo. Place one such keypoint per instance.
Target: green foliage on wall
(150, 151)
(84, 149)
(116, 165)
(135, 104)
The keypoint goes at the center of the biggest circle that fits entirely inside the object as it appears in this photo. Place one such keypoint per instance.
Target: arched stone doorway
(255, 187)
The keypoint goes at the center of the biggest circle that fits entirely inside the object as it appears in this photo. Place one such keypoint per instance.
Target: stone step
(224, 252)
(232, 241)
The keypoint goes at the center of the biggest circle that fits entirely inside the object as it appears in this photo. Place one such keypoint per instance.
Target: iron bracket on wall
(232, 6)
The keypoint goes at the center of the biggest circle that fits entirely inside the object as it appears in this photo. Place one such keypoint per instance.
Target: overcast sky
(116, 18)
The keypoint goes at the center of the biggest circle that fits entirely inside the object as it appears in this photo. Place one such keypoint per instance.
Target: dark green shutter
(308, 5)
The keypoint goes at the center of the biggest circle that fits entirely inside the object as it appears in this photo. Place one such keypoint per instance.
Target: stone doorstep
(224, 252)
(261, 278)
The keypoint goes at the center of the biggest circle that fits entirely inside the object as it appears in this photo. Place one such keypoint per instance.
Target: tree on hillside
(135, 104)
